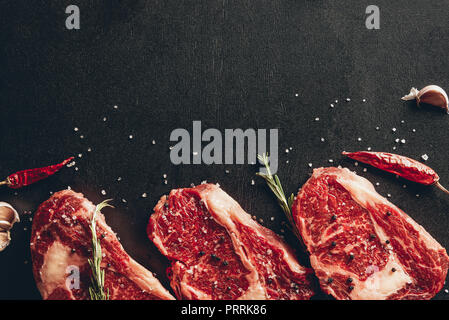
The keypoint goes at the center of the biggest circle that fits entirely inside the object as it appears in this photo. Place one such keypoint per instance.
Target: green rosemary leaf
(96, 289)
(275, 185)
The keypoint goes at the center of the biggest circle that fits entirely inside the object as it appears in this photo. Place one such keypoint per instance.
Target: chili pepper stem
(3, 182)
(441, 187)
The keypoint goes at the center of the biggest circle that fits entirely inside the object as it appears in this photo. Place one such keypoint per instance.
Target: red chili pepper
(402, 166)
(26, 177)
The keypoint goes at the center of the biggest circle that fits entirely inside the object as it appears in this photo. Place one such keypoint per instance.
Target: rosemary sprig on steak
(275, 185)
(96, 289)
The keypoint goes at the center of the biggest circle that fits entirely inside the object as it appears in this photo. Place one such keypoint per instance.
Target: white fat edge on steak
(382, 283)
(226, 211)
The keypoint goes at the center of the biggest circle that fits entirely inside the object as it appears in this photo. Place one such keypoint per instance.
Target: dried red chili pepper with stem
(26, 177)
(404, 167)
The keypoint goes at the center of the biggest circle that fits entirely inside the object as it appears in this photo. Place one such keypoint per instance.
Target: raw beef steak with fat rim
(219, 252)
(362, 246)
(61, 238)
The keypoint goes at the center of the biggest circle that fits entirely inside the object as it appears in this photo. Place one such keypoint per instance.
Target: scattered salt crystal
(322, 139)
(359, 139)
(332, 105)
(153, 142)
(296, 94)
(336, 101)
(377, 128)
(369, 148)
(404, 186)
(348, 99)
(131, 136)
(330, 160)
(272, 218)
(402, 141)
(119, 179)
(76, 169)
(226, 171)
(396, 140)
(89, 149)
(425, 157)
(80, 155)
(394, 148)
(417, 195)
(363, 100)
(317, 119)
(402, 121)
(165, 181)
(115, 107)
(103, 192)
(365, 169)
(286, 150)
(81, 137)
(310, 165)
(144, 195)
(377, 184)
(104, 119)
(253, 182)
(164, 176)
(394, 129)
(124, 200)
(414, 130)
(356, 163)
(75, 129)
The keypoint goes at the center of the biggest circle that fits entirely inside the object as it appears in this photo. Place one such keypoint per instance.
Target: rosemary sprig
(96, 289)
(275, 185)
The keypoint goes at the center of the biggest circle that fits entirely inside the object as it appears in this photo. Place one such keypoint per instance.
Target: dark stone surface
(231, 64)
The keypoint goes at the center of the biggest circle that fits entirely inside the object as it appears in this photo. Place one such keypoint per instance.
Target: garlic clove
(5, 226)
(433, 95)
(8, 216)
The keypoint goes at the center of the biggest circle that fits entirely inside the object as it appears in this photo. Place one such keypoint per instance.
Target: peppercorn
(387, 242)
(351, 256)
(393, 269)
(333, 243)
(225, 263)
(351, 288)
(202, 253)
(73, 250)
(388, 213)
(214, 256)
(349, 280)
(330, 280)
(372, 236)
(334, 217)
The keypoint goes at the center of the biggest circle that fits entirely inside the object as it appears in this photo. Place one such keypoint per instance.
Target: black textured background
(231, 64)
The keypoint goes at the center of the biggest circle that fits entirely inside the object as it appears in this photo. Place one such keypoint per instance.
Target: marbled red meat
(219, 252)
(362, 246)
(61, 238)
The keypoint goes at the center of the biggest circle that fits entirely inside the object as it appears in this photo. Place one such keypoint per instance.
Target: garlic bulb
(433, 95)
(8, 216)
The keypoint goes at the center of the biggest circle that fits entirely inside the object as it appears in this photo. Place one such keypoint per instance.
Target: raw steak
(219, 252)
(362, 246)
(61, 238)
